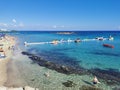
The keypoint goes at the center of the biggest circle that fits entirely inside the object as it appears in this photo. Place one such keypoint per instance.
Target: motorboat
(100, 38)
(77, 40)
(108, 45)
(55, 42)
(110, 38)
(69, 40)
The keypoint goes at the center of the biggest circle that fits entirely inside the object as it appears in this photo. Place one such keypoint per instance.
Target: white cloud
(14, 21)
(3, 25)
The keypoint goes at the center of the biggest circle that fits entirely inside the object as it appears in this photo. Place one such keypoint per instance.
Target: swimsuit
(94, 82)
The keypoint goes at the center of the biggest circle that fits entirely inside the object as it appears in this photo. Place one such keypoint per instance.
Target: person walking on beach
(95, 81)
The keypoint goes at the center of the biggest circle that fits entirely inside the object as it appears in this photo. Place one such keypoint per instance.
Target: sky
(60, 14)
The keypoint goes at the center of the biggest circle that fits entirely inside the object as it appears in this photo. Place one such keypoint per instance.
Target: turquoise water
(88, 54)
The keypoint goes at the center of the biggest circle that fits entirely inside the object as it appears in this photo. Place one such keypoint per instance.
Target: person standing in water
(95, 81)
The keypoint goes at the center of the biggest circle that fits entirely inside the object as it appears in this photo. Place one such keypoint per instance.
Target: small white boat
(54, 42)
(61, 41)
(110, 38)
(77, 40)
(69, 40)
(100, 38)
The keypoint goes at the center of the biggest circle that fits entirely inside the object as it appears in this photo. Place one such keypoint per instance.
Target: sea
(88, 54)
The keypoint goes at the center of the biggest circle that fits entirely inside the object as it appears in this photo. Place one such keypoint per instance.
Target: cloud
(12, 25)
(14, 21)
(3, 25)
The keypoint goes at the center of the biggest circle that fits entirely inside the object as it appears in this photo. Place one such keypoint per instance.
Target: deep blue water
(88, 54)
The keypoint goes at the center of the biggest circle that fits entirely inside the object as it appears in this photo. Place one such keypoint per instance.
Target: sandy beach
(7, 44)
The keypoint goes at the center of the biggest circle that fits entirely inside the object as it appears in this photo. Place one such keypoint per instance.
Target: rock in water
(69, 83)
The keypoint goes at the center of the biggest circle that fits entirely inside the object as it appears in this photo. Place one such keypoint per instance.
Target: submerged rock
(51, 65)
(26, 53)
(116, 88)
(85, 87)
(69, 83)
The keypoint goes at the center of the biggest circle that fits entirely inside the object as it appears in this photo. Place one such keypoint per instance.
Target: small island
(66, 33)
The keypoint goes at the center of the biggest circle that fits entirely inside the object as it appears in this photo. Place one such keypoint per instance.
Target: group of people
(6, 43)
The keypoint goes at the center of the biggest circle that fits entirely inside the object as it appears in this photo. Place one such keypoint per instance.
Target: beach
(6, 41)
(10, 78)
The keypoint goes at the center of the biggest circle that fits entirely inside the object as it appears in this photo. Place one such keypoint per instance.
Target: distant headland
(5, 30)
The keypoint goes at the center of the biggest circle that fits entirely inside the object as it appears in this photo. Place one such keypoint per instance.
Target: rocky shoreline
(109, 76)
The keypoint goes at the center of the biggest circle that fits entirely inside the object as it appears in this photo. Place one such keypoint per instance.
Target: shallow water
(23, 72)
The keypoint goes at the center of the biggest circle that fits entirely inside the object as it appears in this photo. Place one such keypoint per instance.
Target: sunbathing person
(1, 50)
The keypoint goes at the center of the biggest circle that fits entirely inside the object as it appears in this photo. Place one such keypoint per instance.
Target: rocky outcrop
(69, 84)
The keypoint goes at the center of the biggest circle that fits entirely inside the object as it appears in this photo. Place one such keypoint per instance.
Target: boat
(100, 38)
(77, 40)
(108, 45)
(110, 38)
(69, 40)
(55, 41)
(61, 41)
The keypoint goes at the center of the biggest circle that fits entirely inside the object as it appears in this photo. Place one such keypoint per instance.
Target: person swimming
(95, 80)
